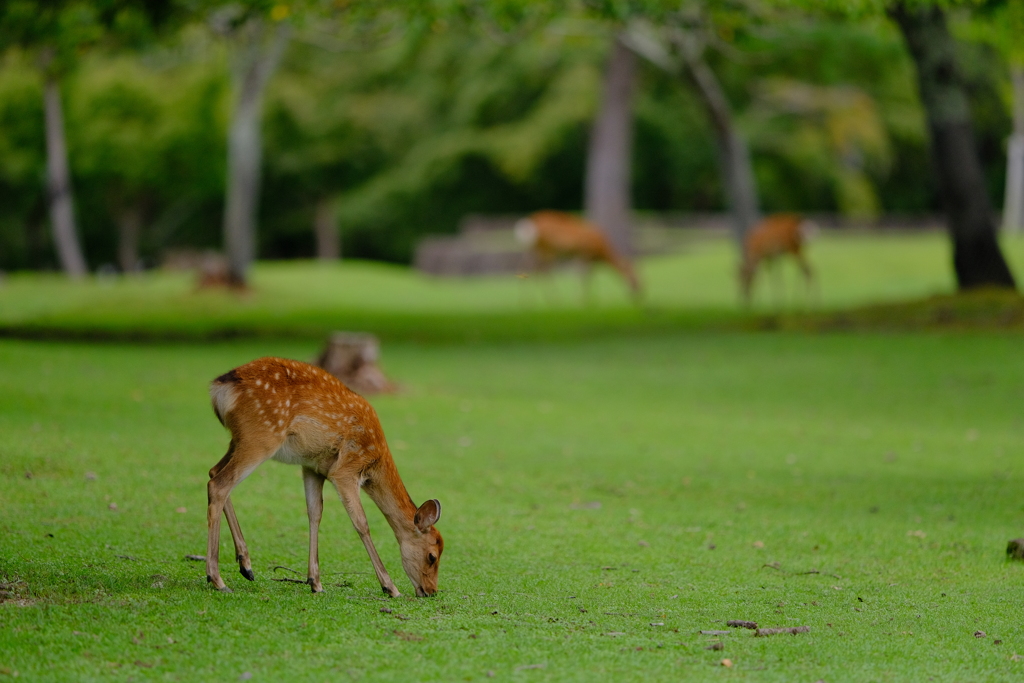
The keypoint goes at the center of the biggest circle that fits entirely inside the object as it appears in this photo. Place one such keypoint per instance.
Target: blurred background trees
(386, 124)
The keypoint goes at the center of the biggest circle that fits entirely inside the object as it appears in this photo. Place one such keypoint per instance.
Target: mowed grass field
(605, 500)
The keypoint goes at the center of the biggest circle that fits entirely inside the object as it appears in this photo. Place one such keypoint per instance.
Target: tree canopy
(409, 116)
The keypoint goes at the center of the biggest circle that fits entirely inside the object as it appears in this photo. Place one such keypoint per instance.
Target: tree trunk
(606, 197)
(256, 64)
(977, 259)
(733, 154)
(58, 178)
(328, 239)
(734, 163)
(129, 227)
(1013, 201)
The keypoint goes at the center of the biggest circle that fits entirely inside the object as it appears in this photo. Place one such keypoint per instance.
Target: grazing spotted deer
(553, 235)
(776, 235)
(301, 415)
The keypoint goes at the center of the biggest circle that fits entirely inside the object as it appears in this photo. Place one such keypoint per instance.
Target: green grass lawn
(693, 289)
(604, 501)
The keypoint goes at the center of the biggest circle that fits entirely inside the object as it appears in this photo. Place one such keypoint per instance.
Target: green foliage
(407, 117)
(22, 164)
(415, 121)
(60, 30)
(851, 115)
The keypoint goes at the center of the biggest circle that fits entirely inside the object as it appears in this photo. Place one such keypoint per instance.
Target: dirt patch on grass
(15, 592)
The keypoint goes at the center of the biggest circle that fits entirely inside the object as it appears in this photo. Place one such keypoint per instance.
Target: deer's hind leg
(239, 462)
(241, 550)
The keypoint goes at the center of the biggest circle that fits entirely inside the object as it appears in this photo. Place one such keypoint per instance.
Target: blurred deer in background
(776, 235)
(299, 414)
(551, 236)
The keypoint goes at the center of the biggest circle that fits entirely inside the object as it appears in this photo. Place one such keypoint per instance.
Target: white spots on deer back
(310, 411)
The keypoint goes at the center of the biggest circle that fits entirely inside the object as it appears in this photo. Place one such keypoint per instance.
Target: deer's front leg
(348, 489)
(314, 485)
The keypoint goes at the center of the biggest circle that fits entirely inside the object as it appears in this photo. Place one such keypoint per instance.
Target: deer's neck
(386, 489)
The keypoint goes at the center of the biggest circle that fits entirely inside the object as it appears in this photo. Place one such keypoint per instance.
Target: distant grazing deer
(301, 415)
(553, 235)
(776, 235)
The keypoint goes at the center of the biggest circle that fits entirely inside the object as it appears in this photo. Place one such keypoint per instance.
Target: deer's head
(421, 551)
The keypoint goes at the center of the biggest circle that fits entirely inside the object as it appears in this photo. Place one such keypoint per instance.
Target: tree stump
(352, 358)
(1015, 549)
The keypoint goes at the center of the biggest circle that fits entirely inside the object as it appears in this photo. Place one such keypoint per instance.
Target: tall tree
(1001, 26)
(58, 178)
(606, 195)
(1013, 203)
(258, 40)
(58, 32)
(678, 45)
(977, 259)
(54, 32)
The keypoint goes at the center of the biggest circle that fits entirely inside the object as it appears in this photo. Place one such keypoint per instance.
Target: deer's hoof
(247, 573)
(222, 588)
(315, 586)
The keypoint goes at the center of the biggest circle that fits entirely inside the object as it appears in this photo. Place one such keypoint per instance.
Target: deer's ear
(428, 514)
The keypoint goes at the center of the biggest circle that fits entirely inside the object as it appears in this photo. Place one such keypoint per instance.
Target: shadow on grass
(980, 310)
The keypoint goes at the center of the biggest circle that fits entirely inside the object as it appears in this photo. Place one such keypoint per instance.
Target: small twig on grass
(286, 579)
(196, 558)
(816, 571)
(287, 569)
(715, 633)
(774, 631)
(739, 623)
(778, 567)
